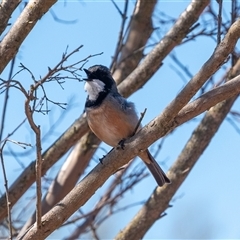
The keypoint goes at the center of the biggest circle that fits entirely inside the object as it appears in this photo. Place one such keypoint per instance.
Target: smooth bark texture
(209, 99)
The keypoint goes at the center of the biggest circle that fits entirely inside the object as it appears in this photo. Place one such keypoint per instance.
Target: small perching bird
(111, 117)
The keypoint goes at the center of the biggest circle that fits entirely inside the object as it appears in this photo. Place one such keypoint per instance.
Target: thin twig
(38, 166)
(6, 100)
(181, 65)
(1, 149)
(14, 130)
(118, 9)
(6, 187)
(233, 19)
(219, 21)
(57, 19)
(121, 35)
(139, 121)
(20, 144)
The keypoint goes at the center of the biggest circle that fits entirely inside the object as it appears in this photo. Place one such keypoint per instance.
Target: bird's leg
(101, 159)
(121, 144)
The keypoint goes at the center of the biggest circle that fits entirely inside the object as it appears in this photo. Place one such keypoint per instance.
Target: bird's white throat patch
(93, 88)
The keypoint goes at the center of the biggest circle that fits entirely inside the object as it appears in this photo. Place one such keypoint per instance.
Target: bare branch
(10, 134)
(36, 129)
(139, 121)
(31, 96)
(209, 99)
(81, 193)
(57, 19)
(64, 182)
(178, 62)
(109, 199)
(80, 127)
(118, 9)
(50, 156)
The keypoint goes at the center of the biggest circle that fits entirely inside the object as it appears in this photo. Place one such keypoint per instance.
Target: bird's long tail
(154, 168)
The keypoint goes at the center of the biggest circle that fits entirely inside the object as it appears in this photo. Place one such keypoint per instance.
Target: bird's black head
(99, 84)
(102, 73)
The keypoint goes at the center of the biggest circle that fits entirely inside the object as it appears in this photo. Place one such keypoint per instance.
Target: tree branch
(38, 166)
(166, 119)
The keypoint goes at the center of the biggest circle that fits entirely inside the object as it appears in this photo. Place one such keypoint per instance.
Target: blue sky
(207, 204)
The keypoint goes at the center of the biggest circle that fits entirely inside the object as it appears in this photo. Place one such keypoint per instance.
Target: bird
(111, 117)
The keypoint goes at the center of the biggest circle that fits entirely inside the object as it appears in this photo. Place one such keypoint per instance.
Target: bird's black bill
(87, 71)
(87, 79)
